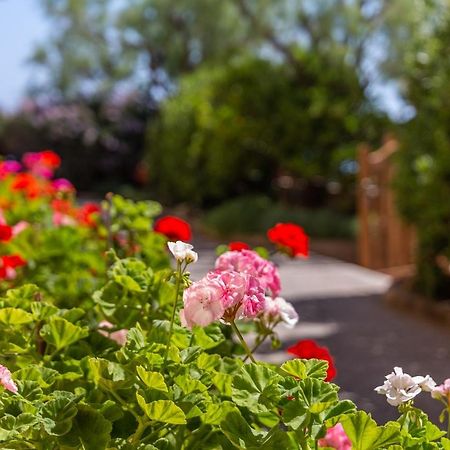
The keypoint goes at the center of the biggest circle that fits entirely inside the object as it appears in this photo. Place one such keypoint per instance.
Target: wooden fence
(384, 241)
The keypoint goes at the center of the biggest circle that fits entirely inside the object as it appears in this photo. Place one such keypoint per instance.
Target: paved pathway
(340, 306)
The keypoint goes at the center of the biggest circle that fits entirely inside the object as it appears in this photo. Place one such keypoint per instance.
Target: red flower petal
(173, 228)
(308, 349)
(290, 238)
(238, 246)
(6, 233)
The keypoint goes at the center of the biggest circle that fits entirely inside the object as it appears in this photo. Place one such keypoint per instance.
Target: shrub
(236, 126)
(255, 214)
(423, 181)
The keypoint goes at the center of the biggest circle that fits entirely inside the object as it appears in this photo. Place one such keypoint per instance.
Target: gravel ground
(340, 305)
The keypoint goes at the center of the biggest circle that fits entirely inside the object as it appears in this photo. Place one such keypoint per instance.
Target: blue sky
(21, 26)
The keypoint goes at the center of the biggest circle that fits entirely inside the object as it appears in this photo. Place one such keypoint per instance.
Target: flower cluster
(277, 310)
(182, 251)
(289, 238)
(249, 262)
(225, 295)
(42, 164)
(400, 387)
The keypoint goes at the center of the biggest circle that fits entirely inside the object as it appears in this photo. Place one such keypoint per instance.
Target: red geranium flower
(6, 233)
(13, 261)
(308, 349)
(87, 214)
(290, 238)
(50, 159)
(29, 185)
(8, 264)
(173, 228)
(238, 246)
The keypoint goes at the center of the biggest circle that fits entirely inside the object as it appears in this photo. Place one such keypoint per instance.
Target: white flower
(182, 251)
(426, 383)
(400, 387)
(279, 308)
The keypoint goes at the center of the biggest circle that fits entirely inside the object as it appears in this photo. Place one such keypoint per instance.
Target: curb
(401, 297)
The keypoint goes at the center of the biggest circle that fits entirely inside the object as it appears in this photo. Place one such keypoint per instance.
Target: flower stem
(241, 339)
(258, 343)
(448, 421)
(174, 307)
(142, 426)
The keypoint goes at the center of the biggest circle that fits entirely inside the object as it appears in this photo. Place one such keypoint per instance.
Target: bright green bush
(230, 129)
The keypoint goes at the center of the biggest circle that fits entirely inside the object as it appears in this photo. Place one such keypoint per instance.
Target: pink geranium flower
(19, 227)
(6, 381)
(62, 185)
(336, 438)
(8, 167)
(225, 295)
(202, 303)
(249, 262)
(442, 391)
(119, 336)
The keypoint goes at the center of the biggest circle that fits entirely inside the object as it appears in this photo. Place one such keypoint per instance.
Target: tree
(423, 181)
(100, 46)
(231, 129)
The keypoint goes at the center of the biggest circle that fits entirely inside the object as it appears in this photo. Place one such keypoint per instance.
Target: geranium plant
(106, 343)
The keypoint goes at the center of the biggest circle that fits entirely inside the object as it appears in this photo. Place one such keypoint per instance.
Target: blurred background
(244, 113)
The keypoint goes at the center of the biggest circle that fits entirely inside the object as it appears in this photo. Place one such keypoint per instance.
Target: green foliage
(104, 363)
(236, 126)
(256, 214)
(423, 181)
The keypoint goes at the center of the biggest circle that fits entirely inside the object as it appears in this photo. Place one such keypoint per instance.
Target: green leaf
(256, 387)
(223, 382)
(43, 375)
(61, 333)
(22, 295)
(317, 394)
(208, 337)
(14, 316)
(364, 433)
(296, 415)
(109, 374)
(216, 412)
(58, 414)
(7, 427)
(207, 362)
(89, 428)
(153, 380)
(42, 311)
(189, 385)
(304, 368)
(343, 407)
(162, 411)
(238, 431)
